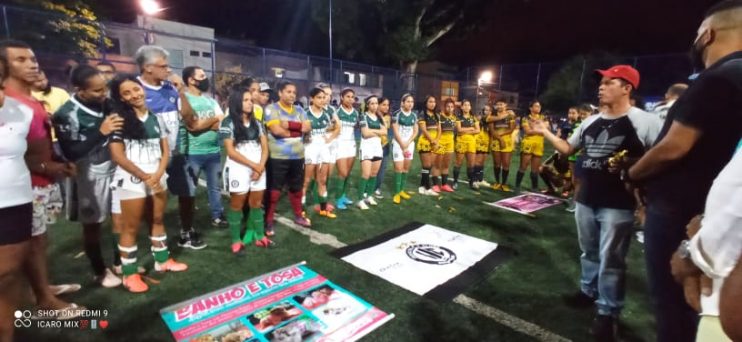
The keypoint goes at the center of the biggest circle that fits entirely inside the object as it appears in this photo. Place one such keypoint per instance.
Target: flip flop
(64, 288)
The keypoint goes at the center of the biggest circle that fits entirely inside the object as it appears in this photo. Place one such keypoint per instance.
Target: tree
(404, 31)
(69, 27)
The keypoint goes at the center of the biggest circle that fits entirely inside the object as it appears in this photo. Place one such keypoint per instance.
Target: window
(350, 77)
(450, 89)
(206, 54)
(362, 79)
(194, 53)
(278, 72)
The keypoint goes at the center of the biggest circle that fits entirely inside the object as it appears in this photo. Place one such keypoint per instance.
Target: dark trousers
(663, 232)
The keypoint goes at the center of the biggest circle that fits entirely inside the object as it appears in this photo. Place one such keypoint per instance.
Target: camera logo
(22, 319)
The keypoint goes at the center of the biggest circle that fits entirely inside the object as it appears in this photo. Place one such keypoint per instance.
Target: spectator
(605, 210)
(51, 97)
(107, 70)
(699, 137)
(673, 94)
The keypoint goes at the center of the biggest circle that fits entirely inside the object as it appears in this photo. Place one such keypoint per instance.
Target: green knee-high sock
(371, 186)
(159, 248)
(234, 219)
(397, 182)
(339, 188)
(255, 224)
(346, 181)
(128, 259)
(404, 180)
(362, 188)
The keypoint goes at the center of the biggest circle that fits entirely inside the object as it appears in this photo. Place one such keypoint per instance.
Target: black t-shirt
(600, 137)
(713, 105)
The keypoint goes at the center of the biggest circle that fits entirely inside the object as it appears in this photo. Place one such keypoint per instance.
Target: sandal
(64, 288)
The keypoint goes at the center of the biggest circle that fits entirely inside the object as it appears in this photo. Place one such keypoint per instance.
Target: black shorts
(285, 173)
(16, 224)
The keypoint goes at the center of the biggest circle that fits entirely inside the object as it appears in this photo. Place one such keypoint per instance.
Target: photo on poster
(330, 305)
(233, 331)
(527, 203)
(272, 316)
(302, 329)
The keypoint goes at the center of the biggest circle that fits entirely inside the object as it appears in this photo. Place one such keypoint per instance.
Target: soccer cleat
(265, 243)
(238, 248)
(455, 185)
(484, 183)
(421, 190)
(330, 208)
(436, 188)
(475, 186)
(135, 284)
(396, 199)
(327, 214)
(170, 266)
(347, 200)
(192, 241)
(378, 194)
(362, 205)
(496, 186)
(506, 188)
(340, 204)
(430, 192)
(371, 201)
(303, 221)
(108, 279)
(447, 188)
(404, 195)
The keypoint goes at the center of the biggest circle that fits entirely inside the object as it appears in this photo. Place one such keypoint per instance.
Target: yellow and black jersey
(431, 121)
(448, 122)
(525, 122)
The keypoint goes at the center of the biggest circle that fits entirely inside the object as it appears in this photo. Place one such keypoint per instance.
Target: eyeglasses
(162, 66)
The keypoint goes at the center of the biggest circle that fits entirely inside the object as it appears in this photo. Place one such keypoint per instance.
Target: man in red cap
(605, 210)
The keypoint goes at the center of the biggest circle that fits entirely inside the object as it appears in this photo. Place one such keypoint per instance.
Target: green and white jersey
(406, 122)
(348, 123)
(320, 123)
(143, 148)
(246, 143)
(76, 123)
(205, 142)
(370, 122)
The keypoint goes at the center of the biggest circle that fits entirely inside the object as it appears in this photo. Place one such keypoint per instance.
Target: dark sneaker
(579, 300)
(220, 222)
(605, 328)
(192, 240)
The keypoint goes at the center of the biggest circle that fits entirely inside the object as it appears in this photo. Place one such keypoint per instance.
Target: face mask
(696, 54)
(203, 85)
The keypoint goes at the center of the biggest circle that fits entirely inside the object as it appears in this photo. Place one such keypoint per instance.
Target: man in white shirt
(673, 94)
(703, 263)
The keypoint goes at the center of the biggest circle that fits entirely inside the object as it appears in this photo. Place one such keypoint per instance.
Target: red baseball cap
(624, 72)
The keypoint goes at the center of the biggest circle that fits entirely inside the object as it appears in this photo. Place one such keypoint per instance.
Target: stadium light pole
(150, 8)
(330, 36)
(484, 78)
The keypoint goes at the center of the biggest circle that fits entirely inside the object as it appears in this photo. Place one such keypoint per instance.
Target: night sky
(525, 31)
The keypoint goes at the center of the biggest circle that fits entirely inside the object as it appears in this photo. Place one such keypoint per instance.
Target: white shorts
(346, 149)
(115, 202)
(237, 178)
(371, 149)
(317, 153)
(399, 155)
(93, 197)
(47, 205)
(133, 186)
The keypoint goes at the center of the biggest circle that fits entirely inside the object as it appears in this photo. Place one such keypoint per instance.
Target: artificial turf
(528, 286)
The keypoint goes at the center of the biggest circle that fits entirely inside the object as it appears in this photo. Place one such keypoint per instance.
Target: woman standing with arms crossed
(404, 125)
(483, 146)
(466, 144)
(346, 146)
(430, 128)
(317, 157)
(531, 148)
(244, 170)
(384, 106)
(502, 125)
(446, 143)
(372, 129)
(141, 152)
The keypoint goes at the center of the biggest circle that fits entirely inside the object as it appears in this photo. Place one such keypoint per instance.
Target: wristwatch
(684, 249)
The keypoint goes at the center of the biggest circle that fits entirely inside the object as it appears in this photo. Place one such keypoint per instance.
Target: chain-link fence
(54, 35)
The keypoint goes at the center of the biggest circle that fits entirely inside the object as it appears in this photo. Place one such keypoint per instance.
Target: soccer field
(528, 286)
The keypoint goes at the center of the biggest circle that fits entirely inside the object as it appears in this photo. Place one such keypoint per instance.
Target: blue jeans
(212, 165)
(382, 169)
(663, 231)
(604, 236)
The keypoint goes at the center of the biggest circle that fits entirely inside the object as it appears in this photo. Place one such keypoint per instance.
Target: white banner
(422, 259)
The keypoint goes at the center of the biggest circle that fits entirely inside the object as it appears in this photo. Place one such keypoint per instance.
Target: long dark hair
(234, 103)
(425, 103)
(133, 127)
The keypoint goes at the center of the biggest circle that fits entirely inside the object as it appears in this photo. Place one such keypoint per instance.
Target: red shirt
(40, 128)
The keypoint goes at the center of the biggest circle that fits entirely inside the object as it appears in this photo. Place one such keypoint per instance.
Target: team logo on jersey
(135, 180)
(431, 254)
(172, 99)
(603, 145)
(235, 183)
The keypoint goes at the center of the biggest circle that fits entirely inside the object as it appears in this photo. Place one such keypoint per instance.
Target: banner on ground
(527, 203)
(430, 261)
(291, 304)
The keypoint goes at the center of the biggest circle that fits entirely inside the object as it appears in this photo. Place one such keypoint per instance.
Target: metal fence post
(538, 80)
(264, 71)
(499, 83)
(213, 64)
(5, 20)
(582, 78)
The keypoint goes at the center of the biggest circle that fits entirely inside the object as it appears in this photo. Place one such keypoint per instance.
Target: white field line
(501, 317)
